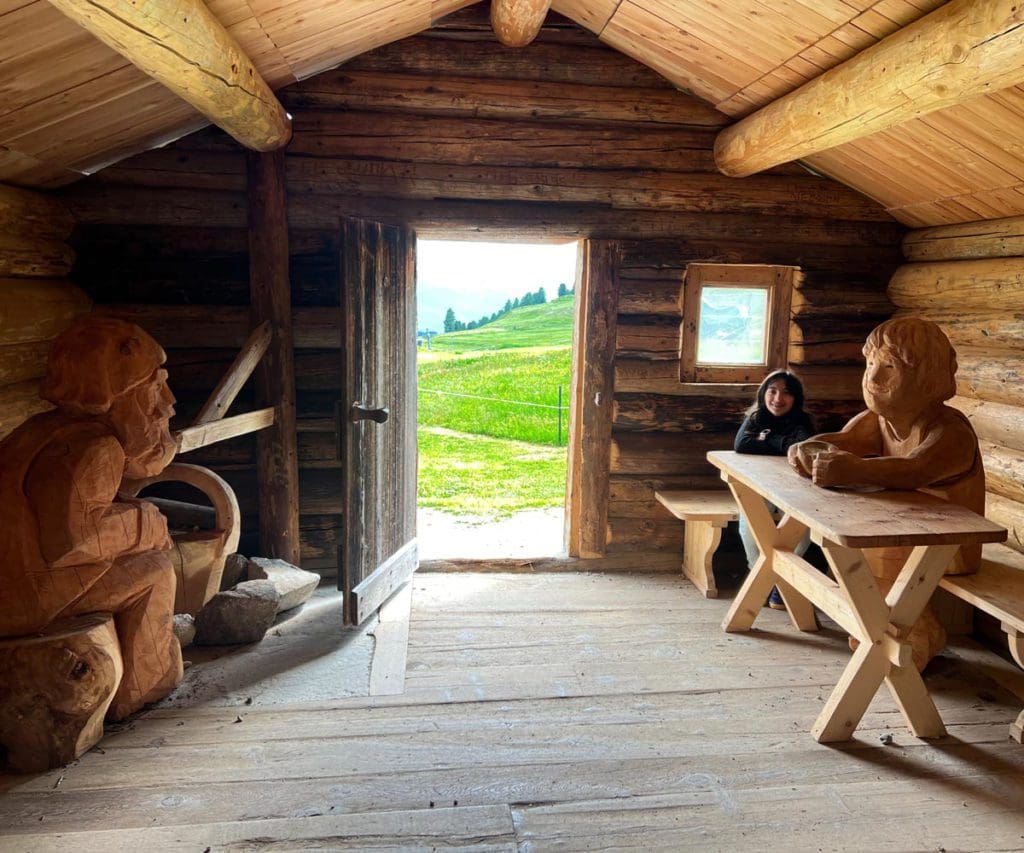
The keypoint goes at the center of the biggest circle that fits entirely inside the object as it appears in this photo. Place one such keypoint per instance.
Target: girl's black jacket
(782, 432)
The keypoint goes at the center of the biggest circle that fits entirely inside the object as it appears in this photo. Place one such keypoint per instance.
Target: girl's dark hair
(793, 385)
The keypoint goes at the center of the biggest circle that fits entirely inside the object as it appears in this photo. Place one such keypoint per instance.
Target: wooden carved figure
(907, 439)
(71, 543)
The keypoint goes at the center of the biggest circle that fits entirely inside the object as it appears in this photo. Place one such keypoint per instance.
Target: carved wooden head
(110, 368)
(911, 366)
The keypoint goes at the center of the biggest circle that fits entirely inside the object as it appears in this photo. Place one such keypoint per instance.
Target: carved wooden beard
(141, 419)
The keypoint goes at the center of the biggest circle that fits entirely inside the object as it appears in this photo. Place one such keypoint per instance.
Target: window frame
(778, 280)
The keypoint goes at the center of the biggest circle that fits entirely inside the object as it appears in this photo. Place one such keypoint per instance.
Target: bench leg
(700, 540)
(1016, 640)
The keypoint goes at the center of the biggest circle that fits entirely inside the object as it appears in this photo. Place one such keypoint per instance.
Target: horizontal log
(812, 303)
(201, 369)
(666, 454)
(832, 328)
(1010, 514)
(645, 534)
(631, 189)
(1004, 470)
(825, 266)
(414, 138)
(315, 450)
(482, 220)
(150, 244)
(840, 349)
(824, 382)
(666, 413)
(38, 309)
(990, 238)
(652, 337)
(975, 285)
(201, 327)
(22, 362)
(987, 374)
(588, 64)
(990, 329)
(466, 96)
(320, 490)
(32, 214)
(34, 257)
(649, 296)
(633, 497)
(18, 403)
(996, 423)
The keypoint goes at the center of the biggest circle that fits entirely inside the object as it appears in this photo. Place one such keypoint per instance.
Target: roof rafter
(185, 48)
(963, 49)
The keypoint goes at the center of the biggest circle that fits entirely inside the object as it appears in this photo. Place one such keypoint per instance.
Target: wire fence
(559, 407)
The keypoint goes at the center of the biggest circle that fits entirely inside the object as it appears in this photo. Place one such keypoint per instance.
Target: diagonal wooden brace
(747, 604)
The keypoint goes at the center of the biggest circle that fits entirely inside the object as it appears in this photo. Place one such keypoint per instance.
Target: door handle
(364, 413)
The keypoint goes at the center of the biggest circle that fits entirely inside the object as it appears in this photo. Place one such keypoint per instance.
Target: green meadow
(489, 438)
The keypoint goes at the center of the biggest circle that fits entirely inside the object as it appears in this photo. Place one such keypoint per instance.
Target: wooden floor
(552, 712)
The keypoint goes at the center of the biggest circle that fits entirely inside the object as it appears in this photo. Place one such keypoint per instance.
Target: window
(735, 321)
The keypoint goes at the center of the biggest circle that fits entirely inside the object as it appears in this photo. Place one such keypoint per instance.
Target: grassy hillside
(485, 393)
(533, 326)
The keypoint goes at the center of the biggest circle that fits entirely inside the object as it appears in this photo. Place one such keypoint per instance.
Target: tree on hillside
(563, 290)
(449, 320)
(541, 297)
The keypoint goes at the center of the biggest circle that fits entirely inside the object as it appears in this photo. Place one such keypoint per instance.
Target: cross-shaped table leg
(881, 624)
(762, 578)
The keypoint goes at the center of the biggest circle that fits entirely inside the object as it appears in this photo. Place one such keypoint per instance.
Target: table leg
(877, 617)
(1016, 641)
(749, 600)
(852, 695)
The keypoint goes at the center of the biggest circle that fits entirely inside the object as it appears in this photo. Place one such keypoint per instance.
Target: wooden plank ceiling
(70, 106)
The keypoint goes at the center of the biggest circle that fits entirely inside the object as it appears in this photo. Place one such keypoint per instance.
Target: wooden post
(270, 293)
(593, 387)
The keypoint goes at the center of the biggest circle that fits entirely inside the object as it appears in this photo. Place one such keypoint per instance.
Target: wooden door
(377, 414)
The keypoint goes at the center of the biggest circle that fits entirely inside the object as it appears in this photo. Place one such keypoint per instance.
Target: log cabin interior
(199, 168)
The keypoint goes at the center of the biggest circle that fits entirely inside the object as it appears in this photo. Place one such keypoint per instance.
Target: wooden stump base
(55, 689)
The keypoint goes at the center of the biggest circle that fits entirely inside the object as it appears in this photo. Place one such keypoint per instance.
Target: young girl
(774, 422)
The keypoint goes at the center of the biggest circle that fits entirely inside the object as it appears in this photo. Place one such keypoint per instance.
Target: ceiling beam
(517, 22)
(183, 46)
(962, 50)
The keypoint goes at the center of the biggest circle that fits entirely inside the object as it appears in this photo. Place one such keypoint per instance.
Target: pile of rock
(253, 592)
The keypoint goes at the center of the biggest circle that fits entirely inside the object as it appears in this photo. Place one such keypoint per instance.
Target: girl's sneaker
(775, 601)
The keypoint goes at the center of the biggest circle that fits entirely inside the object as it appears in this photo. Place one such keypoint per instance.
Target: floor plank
(548, 712)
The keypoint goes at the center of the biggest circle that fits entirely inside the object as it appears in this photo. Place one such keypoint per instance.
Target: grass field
(503, 394)
(477, 475)
(488, 414)
(533, 326)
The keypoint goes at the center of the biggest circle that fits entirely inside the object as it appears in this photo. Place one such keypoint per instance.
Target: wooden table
(843, 523)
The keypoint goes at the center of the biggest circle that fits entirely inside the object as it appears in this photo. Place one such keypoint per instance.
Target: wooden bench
(705, 514)
(997, 588)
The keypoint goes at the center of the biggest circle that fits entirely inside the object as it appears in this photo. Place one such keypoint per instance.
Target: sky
(477, 278)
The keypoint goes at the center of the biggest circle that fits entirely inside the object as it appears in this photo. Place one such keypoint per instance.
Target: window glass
(733, 324)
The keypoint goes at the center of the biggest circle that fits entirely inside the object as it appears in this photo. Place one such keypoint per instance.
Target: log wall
(970, 280)
(37, 301)
(450, 133)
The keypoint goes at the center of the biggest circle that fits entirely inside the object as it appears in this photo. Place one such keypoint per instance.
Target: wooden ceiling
(69, 105)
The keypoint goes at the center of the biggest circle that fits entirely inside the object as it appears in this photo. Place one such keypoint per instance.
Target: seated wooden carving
(907, 439)
(71, 541)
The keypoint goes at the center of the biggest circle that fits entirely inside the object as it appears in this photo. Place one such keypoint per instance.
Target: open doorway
(494, 364)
